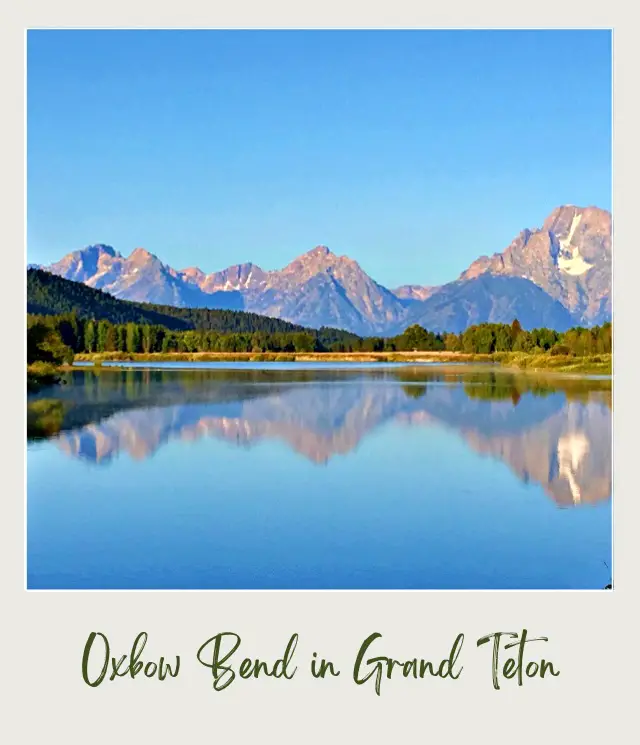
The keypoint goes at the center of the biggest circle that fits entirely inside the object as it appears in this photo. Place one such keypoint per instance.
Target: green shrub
(560, 349)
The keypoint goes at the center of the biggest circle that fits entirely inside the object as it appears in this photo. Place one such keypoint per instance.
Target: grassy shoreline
(599, 364)
(595, 364)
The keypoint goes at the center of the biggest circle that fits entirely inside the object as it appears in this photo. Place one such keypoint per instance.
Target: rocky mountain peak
(193, 271)
(93, 253)
(571, 220)
(311, 262)
(83, 264)
(569, 258)
(101, 248)
(559, 221)
(141, 256)
(319, 254)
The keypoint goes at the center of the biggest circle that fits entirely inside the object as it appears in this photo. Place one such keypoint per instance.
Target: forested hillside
(48, 294)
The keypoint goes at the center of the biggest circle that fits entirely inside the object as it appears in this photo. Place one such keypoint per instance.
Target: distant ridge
(557, 275)
(48, 294)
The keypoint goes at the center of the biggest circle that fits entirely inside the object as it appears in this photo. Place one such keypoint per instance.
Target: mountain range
(556, 276)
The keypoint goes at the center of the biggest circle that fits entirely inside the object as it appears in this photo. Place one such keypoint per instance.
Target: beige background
(592, 634)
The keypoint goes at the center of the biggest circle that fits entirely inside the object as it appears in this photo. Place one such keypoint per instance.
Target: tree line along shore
(54, 341)
(68, 321)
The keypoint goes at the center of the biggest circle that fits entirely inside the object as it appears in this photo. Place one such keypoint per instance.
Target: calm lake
(317, 476)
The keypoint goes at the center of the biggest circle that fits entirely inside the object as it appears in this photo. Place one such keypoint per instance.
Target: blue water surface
(267, 478)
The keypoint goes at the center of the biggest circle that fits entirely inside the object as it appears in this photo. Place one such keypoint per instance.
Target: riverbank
(283, 357)
(41, 374)
(601, 364)
(595, 364)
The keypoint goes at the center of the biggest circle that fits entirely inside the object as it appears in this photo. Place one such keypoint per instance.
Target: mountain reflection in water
(553, 431)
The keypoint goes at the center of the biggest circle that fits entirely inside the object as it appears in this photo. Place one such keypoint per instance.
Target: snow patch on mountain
(575, 265)
(570, 259)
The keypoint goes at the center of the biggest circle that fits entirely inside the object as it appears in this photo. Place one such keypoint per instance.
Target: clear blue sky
(413, 152)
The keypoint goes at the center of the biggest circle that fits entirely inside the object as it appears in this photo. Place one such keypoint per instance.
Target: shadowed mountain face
(557, 435)
(556, 276)
(492, 299)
